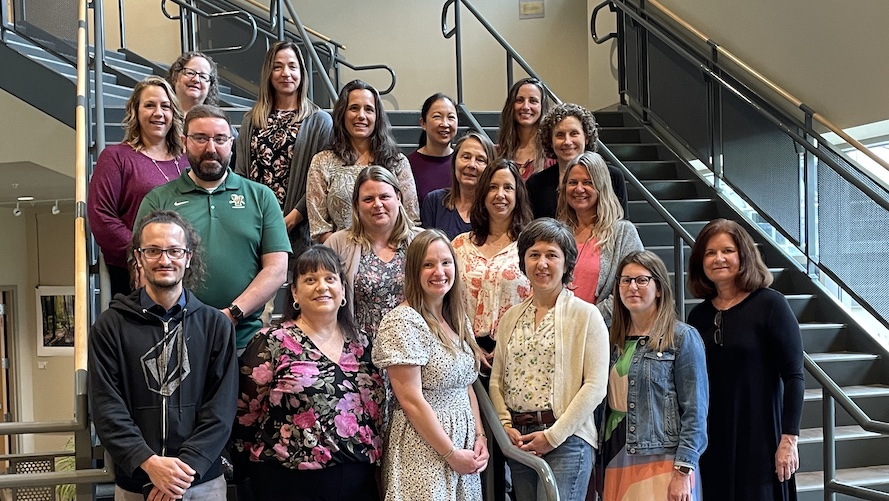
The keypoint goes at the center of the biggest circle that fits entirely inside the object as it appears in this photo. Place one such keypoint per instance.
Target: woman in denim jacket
(656, 417)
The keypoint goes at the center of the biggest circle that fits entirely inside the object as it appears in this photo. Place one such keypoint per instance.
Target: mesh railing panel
(632, 58)
(853, 231)
(679, 97)
(762, 162)
(51, 22)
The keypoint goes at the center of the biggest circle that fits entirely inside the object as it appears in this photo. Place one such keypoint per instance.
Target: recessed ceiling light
(25, 199)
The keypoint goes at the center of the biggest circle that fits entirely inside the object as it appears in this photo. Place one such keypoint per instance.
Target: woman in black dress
(754, 365)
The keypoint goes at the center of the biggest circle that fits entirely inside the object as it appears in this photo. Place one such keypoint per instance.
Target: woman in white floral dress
(436, 445)
(487, 254)
(362, 136)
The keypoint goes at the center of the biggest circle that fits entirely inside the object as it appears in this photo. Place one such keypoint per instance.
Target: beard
(210, 166)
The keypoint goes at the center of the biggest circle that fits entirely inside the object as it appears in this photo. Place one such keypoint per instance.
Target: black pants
(343, 482)
(119, 279)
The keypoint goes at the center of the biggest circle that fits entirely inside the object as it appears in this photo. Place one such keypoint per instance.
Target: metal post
(679, 273)
(714, 118)
(810, 200)
(122, 21)
(279, 20)
(828, 421)
(459, 46)
(98, 68)
(83, 443)
(642, 62)
(510, 78)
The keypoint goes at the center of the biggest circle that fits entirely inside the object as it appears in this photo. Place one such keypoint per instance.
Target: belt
(537, 418)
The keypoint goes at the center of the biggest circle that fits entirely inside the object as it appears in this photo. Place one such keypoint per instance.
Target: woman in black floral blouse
(309, 413)
(281, 134)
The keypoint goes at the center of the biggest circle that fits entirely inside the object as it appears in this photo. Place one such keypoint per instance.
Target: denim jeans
(571, 463)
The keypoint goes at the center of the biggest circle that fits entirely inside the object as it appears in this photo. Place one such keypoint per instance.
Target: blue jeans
(571, 463)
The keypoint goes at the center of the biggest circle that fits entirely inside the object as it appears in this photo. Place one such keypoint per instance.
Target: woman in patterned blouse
(488, 257)
(362, 136)
(374, 249)
(310, 408)
(281, 134)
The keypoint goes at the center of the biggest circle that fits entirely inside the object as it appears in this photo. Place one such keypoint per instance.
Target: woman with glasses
(565, 132)
(754, 366)
(588, 205)
(194, 78)
(526, 103)
(281, 134)
(151, 154)
(656, 416)
(550, 367)
(362, 136)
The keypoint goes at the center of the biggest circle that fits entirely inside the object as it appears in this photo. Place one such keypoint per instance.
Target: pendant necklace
(158, 167)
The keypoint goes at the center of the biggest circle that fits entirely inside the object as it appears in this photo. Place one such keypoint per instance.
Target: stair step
(661, 233)
(640, 151)
(853, 391)
(862, 477)
(846, 368)
(609, 135)
(654, 169)
(842, 356)
(849, 432)
(693, 209)
(823, 337)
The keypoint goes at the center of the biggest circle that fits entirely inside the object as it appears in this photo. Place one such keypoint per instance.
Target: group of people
(409, 276)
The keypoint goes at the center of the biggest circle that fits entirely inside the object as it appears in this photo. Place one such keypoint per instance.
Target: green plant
(66, 492)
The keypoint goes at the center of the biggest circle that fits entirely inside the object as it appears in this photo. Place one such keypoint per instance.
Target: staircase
(830, 336)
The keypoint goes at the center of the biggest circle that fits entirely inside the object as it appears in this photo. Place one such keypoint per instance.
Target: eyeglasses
(203, 139)
(642, 281)
(154, 253)
(717, 334)
(190, 73)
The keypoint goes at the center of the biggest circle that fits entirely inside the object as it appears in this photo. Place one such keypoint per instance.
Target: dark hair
(479, 219)
(453, 192)
(561, 112)
(382, 144)
(132, 128)
(427, 104)
(212, 87)
(509, 136)
(194, 274)
(321, 257)
(752, 272)
(205, 111)
(661, 332)
(547, 229)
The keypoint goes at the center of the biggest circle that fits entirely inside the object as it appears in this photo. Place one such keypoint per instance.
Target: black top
(543, 190)
(756, 395)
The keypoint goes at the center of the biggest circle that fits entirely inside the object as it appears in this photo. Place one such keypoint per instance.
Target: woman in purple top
(448, 208)
(150, 155)
(432, 160)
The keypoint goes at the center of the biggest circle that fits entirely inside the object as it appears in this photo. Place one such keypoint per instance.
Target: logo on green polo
(237, 201)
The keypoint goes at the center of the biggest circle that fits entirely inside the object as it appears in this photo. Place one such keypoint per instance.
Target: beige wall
(830, 55)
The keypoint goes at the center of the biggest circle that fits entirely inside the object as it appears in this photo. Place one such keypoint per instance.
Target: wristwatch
(685, 470)
(236, 312)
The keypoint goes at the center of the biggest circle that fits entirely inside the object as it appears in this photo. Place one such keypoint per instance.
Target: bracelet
(481, 434)
(450, 452)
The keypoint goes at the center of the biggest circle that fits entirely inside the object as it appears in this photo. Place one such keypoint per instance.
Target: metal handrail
(539, 465)
(247, 19)
(511, 53)
(845, 402)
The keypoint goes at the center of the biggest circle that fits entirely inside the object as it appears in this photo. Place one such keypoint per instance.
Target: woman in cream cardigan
(550, 366)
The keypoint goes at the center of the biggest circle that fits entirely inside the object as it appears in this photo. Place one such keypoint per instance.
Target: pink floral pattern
(491, 286)
(300, 409)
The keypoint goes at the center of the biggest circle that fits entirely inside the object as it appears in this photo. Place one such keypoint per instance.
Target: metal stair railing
(810, 146)
(489, 415)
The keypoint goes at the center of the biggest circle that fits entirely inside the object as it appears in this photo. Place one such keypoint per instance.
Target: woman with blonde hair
(374, 248)
(588, 206)
(657, 391)
(436, 445)
(151, 154)
(281, 134)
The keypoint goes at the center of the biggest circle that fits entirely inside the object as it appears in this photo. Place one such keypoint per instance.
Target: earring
(296, 306)
(343, 303)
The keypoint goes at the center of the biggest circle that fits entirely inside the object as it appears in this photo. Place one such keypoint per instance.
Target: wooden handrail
(768, 83)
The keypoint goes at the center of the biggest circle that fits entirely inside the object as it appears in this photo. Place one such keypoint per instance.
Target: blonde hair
(661, 335)
(608, 208)
(453, 309)
(403, 224)
(265, 101)
(132, 128)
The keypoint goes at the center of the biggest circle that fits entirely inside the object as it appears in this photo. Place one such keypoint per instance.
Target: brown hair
(453, 192)
(132, 129)
(265, 101)
(212, 86)
(194, 273)
(479, 219)
(547, 229)
(382, 143)
(752, 272)
(403, 224)
(561, 112)
(509, 135)
(661, 333)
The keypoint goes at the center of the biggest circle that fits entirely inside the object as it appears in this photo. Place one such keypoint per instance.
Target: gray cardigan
(626, 240)
(315, 134)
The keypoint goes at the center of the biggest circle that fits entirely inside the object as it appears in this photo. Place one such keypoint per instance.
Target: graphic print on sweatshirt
(164, 367)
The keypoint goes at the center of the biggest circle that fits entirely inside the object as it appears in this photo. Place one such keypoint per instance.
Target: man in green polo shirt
(241, 226)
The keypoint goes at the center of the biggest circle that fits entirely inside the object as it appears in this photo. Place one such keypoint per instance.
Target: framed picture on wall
(55, 317)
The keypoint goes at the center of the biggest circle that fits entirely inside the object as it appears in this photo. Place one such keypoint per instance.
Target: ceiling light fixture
(17, 211)
(55, 209)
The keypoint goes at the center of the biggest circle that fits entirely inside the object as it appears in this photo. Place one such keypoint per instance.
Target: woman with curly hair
(565, 132)
(195, 79)
(151, 154)
(362, 136)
